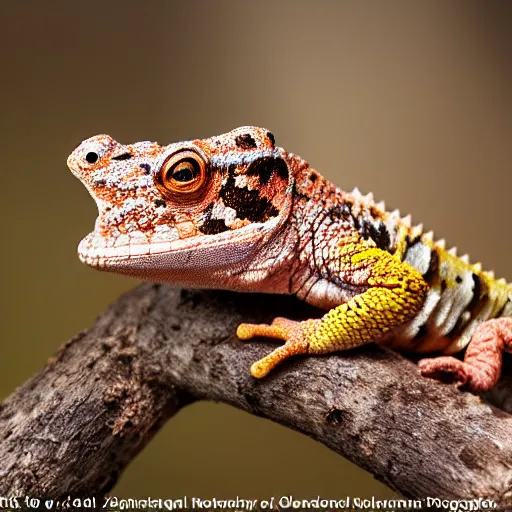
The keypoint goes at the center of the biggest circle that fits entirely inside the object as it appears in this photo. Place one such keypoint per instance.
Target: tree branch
(74, 426)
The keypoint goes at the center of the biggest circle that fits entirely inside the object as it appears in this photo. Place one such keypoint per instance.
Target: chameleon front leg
(394, 293)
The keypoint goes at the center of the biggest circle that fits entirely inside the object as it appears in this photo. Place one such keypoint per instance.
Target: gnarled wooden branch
(73, 427)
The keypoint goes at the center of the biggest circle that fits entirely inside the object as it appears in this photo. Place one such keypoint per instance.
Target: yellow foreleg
(395, 293)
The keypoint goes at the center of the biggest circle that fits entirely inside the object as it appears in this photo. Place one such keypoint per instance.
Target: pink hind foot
(481, 368)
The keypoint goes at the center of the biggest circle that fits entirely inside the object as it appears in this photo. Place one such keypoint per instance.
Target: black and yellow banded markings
(461, 296)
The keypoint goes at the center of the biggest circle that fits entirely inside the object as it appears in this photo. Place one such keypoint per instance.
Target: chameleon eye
(182, 173)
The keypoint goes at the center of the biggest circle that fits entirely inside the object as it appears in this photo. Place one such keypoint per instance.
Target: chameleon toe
(291, 348)
(245, 331)
(444, 368)
(248, 331)
(259, 370)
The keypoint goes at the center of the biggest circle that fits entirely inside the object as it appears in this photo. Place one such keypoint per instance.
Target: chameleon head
(186, 212)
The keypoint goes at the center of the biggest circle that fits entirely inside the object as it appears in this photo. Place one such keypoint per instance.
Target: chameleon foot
(292, 332)
(481, 367)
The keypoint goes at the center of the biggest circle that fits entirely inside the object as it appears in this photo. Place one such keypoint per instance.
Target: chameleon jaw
(198, 251)
(100, 257)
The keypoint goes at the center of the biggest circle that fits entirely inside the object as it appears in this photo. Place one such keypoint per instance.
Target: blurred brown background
(410, 100)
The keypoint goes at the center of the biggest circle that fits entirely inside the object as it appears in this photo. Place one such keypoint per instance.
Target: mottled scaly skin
(236, 212)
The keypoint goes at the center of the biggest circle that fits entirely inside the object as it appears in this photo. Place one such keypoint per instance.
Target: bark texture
(74, 426)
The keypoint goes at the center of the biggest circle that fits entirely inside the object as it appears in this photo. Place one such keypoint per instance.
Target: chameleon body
(237, 212)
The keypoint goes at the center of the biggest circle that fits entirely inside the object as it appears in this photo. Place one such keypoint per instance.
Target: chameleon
(237, 212)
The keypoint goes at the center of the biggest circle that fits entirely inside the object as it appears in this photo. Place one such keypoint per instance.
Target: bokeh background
(410, 100)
